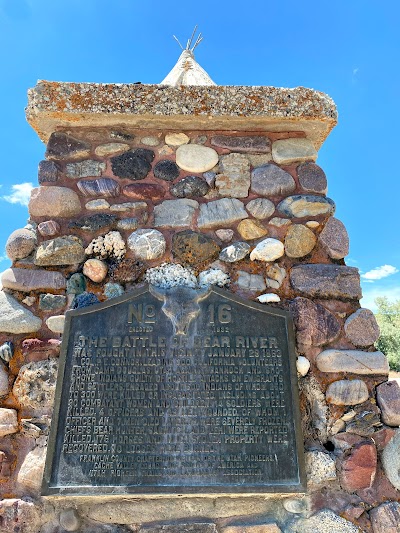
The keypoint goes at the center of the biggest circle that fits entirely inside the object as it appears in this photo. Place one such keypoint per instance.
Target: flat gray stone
(287, 151)
(388, 398)
(85, 169)
(234, 177)
(56, 323)
(306, 205)
(20, 244)
(147, 244)
(347, 392)
(335, 239)
(326, 281)
(175, 213)
(66, 250)
(391, 460)
(270, 180)
(250, 144)
(47, 201)
(260, 208)
(196, 158)
(235, 252)
(221, 212)
(70, 520)
(361, 328)
(52, 302)
(352, 361)
(250, 282)
(27, 280)
(14, 318)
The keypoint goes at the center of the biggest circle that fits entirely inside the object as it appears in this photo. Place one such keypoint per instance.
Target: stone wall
(116, 208)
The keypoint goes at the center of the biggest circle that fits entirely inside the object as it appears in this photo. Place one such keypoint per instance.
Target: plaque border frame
(173, 490)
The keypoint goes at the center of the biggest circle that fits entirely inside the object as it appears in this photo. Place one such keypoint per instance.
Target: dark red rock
(251, 144)
(335, 500)
(345, 441)
(388, 398)
(359, 468)
(63, 146)
(144, 191)
(380, 491)
(314, 324)
(312, 178)
(38, 350)
(386, 518)
(194, 248)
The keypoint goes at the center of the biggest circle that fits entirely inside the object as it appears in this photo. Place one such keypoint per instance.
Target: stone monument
(176, 231)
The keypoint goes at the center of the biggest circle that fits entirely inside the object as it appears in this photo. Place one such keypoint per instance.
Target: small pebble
(268, 298)
(303, 365)
(95, 269)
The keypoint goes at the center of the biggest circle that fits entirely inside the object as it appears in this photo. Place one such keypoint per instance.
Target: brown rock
(335, 239)
(362, 328)
(95, 269)
(37, 350)
(326, 281)
(315, 325)
(63, 146)
(386, 518)
(127, 271)
(54, 202)
(144, 191)
(251, 229)
(299, 241)
(234, 180)
(359, 468)
(251, 144)
(194, 248)
(312, 178)
(388, 397)
(27, 280)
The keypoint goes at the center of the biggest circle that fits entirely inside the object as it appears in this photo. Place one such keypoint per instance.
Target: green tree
(388, 318)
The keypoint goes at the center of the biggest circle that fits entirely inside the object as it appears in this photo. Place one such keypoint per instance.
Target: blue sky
(347, 48)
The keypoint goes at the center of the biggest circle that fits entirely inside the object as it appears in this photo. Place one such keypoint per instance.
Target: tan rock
(165, 150)
(66, 250)
(196, 158)
(54, 202)
(95, 269)
(259, 528)
(251, 229)
(287, 151)
(176, 139)
(320, 468)
(312, 224)
(279, 222)
(97, 205)
(234, 180)
(8, 422)
(150, 141)
(299, 241)
(36, 383)
(56, 323)
(347, 392)
(105, 150)
(31, 473)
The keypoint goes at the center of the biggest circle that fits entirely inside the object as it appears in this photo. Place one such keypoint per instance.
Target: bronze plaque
(176, 391)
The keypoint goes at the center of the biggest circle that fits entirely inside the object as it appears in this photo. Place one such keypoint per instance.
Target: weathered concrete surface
(55, 105)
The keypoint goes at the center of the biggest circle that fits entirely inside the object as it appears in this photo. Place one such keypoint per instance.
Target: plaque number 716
(219, 313)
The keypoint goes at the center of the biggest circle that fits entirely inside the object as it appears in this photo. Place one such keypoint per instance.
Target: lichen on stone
(110, 245)
(169, 275)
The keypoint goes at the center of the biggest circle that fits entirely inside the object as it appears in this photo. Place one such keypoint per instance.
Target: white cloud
(371, 292)
(20, 194)
(379, 273)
